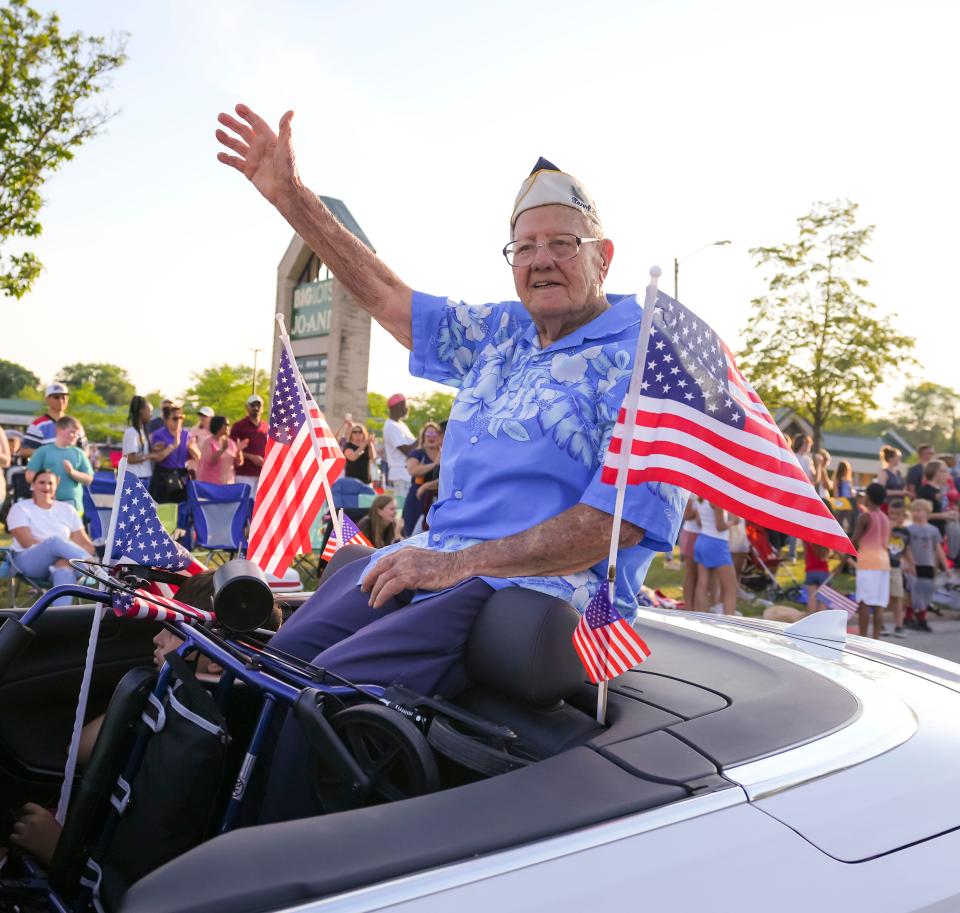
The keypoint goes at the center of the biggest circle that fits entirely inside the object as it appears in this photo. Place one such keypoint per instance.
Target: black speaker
(242, 598)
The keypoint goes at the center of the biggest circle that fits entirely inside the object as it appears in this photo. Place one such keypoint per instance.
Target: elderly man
(540, 382)
(43, 429)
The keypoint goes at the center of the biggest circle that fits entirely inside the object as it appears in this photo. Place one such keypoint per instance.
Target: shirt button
(474, 439)
(458, 494)
(436, 537)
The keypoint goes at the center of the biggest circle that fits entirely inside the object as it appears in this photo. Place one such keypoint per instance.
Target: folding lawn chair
(219, 514)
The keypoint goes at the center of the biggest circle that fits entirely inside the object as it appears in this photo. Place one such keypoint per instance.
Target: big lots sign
(311, 309)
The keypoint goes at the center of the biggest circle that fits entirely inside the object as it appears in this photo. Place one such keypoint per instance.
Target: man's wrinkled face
(560, 289)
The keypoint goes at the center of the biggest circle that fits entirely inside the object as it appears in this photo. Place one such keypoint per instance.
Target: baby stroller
(759, 572)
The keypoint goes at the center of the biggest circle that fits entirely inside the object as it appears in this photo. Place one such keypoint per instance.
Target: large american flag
(140, 538)
(290, 491)
(351, 536)
(606, 644)
(701, 426)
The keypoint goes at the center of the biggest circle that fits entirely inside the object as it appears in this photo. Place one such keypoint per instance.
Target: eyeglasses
(558, 247)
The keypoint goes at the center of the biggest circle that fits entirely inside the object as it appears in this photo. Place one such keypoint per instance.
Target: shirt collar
(624, 311)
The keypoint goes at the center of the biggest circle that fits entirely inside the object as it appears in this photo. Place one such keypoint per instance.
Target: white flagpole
(73, 751)
(285, 341)
(630, 421)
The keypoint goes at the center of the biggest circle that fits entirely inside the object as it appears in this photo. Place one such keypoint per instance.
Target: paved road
(943, 641)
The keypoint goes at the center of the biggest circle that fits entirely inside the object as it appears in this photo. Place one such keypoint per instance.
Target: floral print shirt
(528, 431)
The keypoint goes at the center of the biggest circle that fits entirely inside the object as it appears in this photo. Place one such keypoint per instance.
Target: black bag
(168, 486)
(176, 792)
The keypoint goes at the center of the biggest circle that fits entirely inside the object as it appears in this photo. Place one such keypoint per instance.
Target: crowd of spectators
(48, 466)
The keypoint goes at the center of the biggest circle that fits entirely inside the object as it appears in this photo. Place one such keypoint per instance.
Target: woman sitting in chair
(46, 534)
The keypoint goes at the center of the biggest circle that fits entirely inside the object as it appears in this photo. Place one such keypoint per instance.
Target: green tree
(224, 388)
(377, 412)
(46, 80)
(101, 421)
(929, 412)
(110, 381)
(428, 407)
(14, 377)
(814, 343)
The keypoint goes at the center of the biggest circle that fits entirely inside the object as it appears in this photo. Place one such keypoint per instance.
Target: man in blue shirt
(540, 382)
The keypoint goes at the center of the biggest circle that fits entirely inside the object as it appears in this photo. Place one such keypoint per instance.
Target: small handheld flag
(605, 642)
(835, 600)
(156, 608)
(351, 535)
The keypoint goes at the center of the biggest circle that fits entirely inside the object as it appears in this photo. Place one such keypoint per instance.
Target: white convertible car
(746, 766)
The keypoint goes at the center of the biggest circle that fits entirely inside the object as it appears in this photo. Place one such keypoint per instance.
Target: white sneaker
(717, 609)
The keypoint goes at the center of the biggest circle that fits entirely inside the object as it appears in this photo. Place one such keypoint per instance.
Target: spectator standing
(251, 432)
(360, 454)
(688, 540)
(801, 445)
(46, 534)
(66, 461)
(890, 475)
(220, 456)
(136, 443)
(821, 470)
(870, 537)
(398, 441)
(423, 465)
(898, 548)
(816, 572)
(346, 428)
(43, 429)
(200, 432)
(158, 421)
(381, 525)
(951, 532)
(933, 488)
(6, 458)
(926, 550)
(712, 553)
(915, 473)
(171, 448)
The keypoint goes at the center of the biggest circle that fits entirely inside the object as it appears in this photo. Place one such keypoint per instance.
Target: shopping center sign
(311, 309)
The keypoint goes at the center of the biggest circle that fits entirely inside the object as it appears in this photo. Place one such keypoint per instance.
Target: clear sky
(689, 122)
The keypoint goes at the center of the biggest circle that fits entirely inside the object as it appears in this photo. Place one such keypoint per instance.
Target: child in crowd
(898, 549)
(688, 540)
(870, 537)
(66, 461)
(926, 551)
(816, 572)
(712, 553)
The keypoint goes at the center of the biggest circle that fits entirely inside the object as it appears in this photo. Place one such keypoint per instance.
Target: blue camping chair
(98, 505)
(219, 515)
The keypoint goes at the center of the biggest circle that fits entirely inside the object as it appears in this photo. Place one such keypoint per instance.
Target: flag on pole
(835, 600)
(605, 642)
(351, 536)
(290, 492)
(140, 537)
(157, 608)
(701, 426)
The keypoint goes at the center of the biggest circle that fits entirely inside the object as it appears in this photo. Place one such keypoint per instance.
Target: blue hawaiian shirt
(528, 432)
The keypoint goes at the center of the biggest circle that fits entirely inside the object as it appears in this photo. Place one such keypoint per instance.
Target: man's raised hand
(264, 157)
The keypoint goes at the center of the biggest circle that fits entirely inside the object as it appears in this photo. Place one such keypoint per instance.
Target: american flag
(140, 538)
(701, 426)
(290, 492)
(351, 536)
(157, 608)
(606, 644)
(835, 600)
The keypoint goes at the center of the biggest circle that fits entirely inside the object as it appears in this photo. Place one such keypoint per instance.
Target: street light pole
(678, 260)
(256, 352)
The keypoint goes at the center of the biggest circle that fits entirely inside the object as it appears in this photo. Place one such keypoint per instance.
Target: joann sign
(311, 309)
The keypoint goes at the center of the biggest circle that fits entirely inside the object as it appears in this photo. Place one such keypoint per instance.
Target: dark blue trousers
(416, 644)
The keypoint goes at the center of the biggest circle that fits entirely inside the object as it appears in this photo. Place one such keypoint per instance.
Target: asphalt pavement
(943, 640)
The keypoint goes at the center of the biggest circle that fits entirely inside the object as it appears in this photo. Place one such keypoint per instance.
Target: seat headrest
(520, 646)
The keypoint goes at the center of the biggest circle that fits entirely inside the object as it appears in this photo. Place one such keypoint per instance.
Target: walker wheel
(390, 750)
